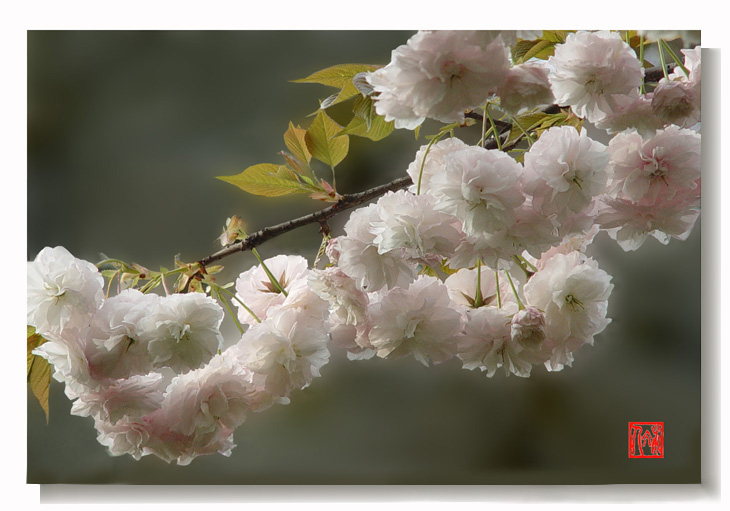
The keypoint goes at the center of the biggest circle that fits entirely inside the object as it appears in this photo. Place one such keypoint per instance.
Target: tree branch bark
(347, 201)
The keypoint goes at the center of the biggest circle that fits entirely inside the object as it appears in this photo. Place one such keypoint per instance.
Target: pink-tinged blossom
(525, 87)
(183, 331)
(439, 75)
(676, 102)
(564, 171)
(693, 64)
(631, 112)
(590, 68)
(462, 288)
(419, 320)
(63, 291)
(491, 341)
(531, 231)
(128, 397)
(345, 300)
(124, 436)
(630, 223)
(217, 396)
(572, 292)
(434, 162)
(66, 353)
(410, 226)
(481, 188)
(284, 353)
(158, 437)
(353, 339)
(259, 293)
(654, 170)
(115, 350)
(360, 258)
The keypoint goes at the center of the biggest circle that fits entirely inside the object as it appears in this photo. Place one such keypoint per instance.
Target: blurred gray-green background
(126, 133)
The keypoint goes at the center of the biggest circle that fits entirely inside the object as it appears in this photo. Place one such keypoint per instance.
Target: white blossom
(216, 396)
(345, 300)
(115, 350)
(439, 74)
(573, 294)
(525, 87)
(183, 331)
(590, 69)
(283, 352)
(255, 289)
(134, 397)
(564, 171)
(655, 169)
(676, 102)
(63, 291)
(631, 223)
(410, 226)
(481, 188)
(631, 112)
(418, 320)
(360, 258)
(434, 162)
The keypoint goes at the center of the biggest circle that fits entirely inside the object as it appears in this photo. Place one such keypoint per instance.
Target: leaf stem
(228, 309)
(520, 305)
(435, 139)
(675, 58)
(661, 58)
(641, 59)
(497, 135)
(496, 286)
(253, 315)
(478, 298)
(274, 281)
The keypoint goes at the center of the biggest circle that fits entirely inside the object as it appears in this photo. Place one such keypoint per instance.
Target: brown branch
(348, 201)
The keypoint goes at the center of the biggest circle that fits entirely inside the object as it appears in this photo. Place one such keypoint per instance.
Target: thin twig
(348, 201)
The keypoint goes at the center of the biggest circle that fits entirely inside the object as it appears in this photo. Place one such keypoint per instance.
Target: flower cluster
(483, 259)
(116, 355)
(440, 74)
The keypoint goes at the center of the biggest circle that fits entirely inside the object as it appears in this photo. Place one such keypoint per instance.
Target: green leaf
(294, 138)
(267, 179)
(321, 143)
(339, 76)
(379, 129)
(39, 371)
(528, 121)
(555, 36)
(363, 107)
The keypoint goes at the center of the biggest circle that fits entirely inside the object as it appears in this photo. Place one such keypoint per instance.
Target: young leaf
(321, 143)
(340, 76)
(39, 371)
(267, 179)
(294, 138)
(379, 129)
(363, 107)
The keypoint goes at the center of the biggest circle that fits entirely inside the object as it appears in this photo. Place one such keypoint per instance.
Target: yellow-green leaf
(379, 129)
(39, 371)
(294, 140)
(527, 122)
(321, 143)
(339, 76)
(267, 179)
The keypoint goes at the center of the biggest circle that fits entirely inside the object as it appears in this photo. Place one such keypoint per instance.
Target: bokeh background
(126, 133)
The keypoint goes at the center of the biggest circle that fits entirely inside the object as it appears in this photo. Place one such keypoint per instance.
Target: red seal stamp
(646, 439)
